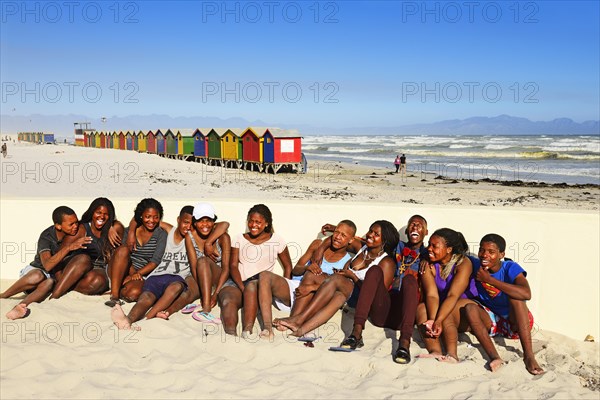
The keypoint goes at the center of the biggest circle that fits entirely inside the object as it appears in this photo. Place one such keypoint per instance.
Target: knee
(37, 277)
(94, 284)
(264, 277)
(374, 273)
(202, 264)
(471, 311)
(174, 288)
(47, 284)
(130, 293)
(410, 281)
(250, 288)
(81, 261)
(518, 307)
(121, 252)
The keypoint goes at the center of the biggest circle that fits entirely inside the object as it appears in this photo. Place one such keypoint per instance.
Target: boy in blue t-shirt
(503, 290)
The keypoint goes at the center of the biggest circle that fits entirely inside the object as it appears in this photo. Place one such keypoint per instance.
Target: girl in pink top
(252, 253)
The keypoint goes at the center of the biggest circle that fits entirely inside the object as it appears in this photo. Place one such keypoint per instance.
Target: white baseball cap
(202, 210)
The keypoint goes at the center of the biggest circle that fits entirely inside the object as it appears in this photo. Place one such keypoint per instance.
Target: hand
(303, 290)
(317, 257)
(213, 299)
(80, 243)
(423, 265)
(348, 273)
(211, 252)
(131, 241)
(113, 237)
(327, 228)
(436, 328)
(483, 275)
(133, 277)
(433, 328)
(429, 330)
(315, 269)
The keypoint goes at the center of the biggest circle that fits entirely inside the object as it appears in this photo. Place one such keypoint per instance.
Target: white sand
(68, 348)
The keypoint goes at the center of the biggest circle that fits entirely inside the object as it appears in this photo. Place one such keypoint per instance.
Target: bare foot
(450, 359)
(287, 323)
(533, 367)
(437, 356)
(278, 326)
(163, 315)
(18, 311)
(267, 334)
(496, 364)
(120, 319)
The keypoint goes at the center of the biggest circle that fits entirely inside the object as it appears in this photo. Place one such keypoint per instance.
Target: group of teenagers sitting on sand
(391, 283)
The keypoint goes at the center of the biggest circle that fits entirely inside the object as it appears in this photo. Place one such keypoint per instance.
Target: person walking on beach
(402, 166)
(4, 150)
(397, 162)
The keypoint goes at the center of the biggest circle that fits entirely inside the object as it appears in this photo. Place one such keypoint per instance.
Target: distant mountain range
(62, 125)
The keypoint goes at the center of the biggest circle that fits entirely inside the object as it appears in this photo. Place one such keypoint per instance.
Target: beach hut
(251, 144)
(122, 144)
(39, 137)
(109, 140)
(129, 140)
(200, 142)
(185, 143)
(231, 147)
(214, 145)
(161, 144)
(91, 139)
(115, 140)
(102, 136)
(141, 142)
(171, 148)
(134, 136)
(48, 138)
(150, 142)
(282, 148)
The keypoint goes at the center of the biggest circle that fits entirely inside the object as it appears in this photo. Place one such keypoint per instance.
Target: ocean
(570, 159)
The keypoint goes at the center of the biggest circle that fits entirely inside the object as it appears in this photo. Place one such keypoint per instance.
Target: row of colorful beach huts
(261, 149)
(36, 137)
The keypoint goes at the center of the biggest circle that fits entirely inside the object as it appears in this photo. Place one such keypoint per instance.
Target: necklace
(404, 264)
(366, 257)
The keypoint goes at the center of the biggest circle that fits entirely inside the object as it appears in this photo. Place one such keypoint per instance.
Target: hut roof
(284, 133)
(185, 132)
(203, 131)
(236, 131)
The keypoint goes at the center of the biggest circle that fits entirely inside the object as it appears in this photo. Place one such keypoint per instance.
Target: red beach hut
(251, 144)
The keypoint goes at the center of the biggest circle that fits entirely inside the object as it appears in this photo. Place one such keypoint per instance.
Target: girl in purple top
(446, 286)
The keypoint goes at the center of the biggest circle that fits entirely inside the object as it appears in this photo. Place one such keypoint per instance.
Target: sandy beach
(69, 348)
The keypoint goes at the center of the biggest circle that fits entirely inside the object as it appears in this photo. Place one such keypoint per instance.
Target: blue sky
(329, 63)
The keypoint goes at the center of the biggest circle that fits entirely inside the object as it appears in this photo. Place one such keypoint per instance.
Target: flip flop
(113, 302)
(189, 308)
(402, 356)
(342, 349)
(308, 339)
(207, 317)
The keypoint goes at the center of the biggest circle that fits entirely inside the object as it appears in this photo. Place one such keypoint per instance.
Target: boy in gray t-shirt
(53, 252)
(166, 282)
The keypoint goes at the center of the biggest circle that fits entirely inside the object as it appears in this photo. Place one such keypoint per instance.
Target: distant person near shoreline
(403, 165)
(4, 150)
(397, 162)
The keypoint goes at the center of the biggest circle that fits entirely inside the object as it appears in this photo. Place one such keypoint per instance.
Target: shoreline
(89, 172)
